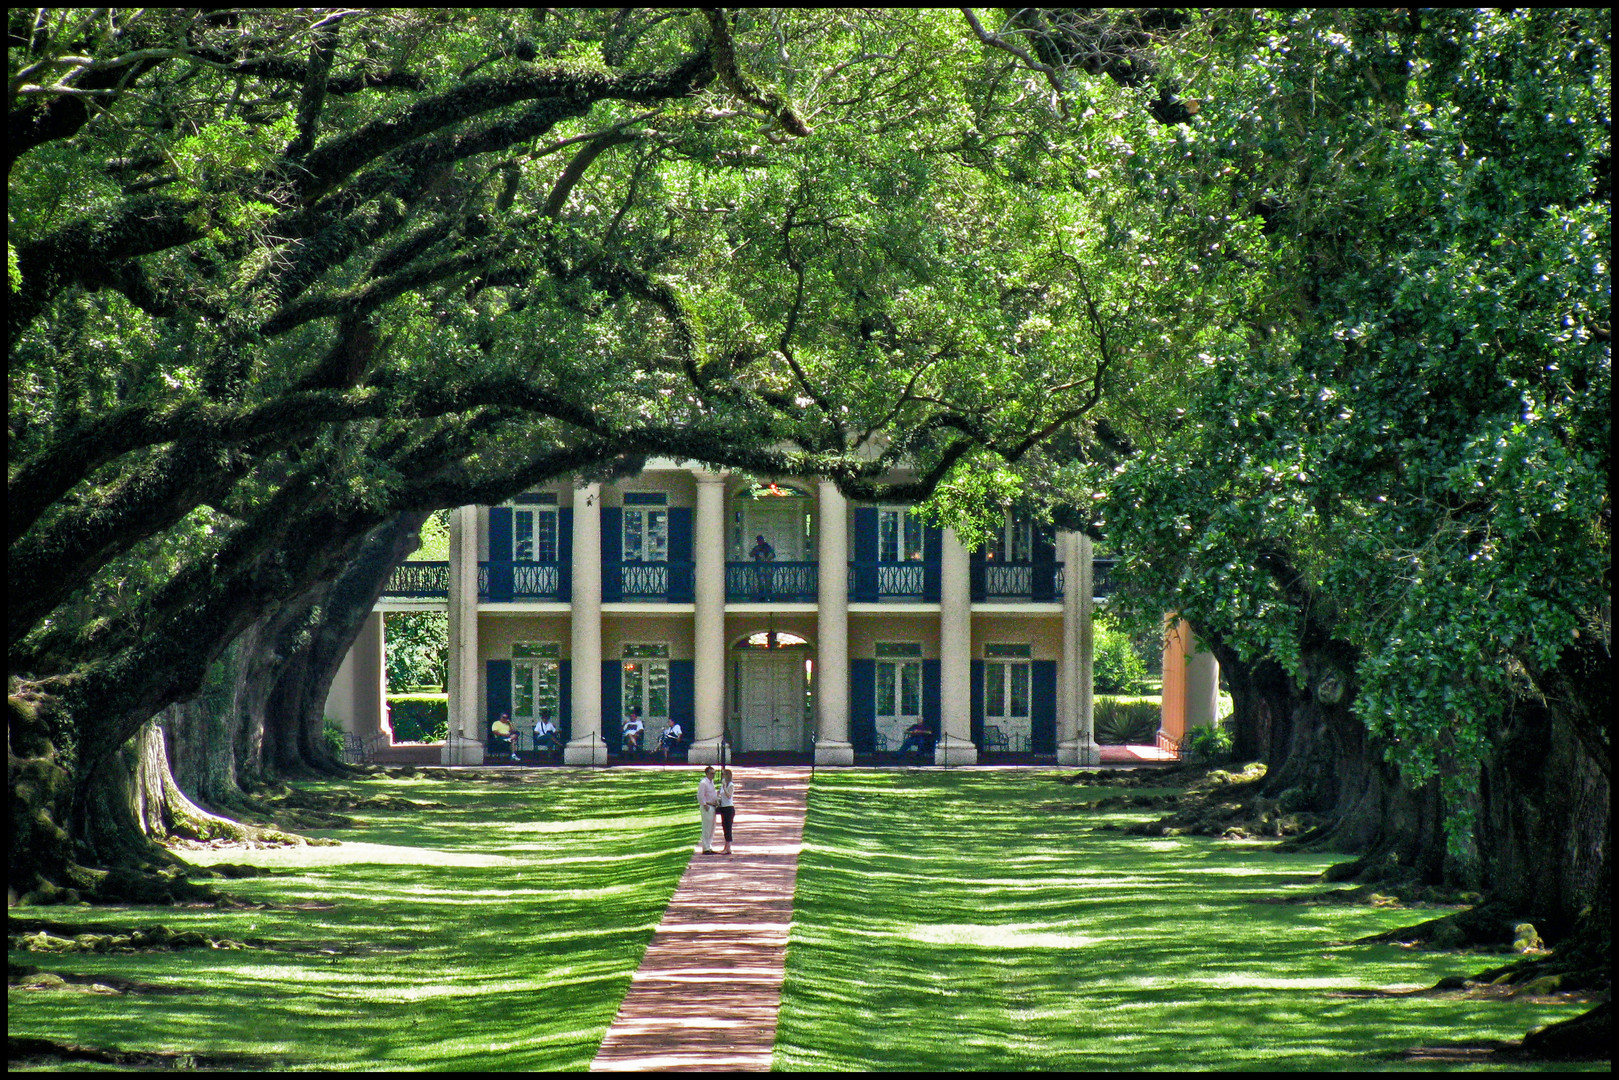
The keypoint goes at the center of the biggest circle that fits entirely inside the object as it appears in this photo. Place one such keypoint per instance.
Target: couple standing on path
(711, 799)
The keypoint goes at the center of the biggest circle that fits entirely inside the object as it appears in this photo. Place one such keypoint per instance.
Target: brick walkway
(707, 992)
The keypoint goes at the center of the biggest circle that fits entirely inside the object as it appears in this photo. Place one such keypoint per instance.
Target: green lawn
(944, 921)
(950, 921)
(497, 933)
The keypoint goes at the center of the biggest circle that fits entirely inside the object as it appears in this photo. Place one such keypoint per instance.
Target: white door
(771, 695)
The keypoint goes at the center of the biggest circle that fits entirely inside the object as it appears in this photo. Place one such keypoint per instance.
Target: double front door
(770, 702)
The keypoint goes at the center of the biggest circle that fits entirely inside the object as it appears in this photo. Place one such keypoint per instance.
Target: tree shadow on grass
(944, 922)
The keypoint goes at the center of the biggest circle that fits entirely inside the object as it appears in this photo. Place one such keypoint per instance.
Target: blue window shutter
(612, 555)
(612, 728)
(863, 704)
(1045, 575)
(683, 696)
(680, 555)
(565, 699)
(1045, 544)
(931, 684)
(865, 558)
(500, 553)
(500, 534)
(498, 674)
(565, 554)
(1043, 706)
(975, 694)
(932, 556)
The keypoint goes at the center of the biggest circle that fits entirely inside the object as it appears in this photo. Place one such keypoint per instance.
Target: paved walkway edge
(708, 990)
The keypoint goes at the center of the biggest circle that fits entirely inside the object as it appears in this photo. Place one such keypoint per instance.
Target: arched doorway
(772, 674)
(771, 522)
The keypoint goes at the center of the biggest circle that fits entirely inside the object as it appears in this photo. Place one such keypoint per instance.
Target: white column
(1202, 688)
(708, 592)
(586, 746)
(466, 742)
(832, 745)
(1076, 739)
(955, 746)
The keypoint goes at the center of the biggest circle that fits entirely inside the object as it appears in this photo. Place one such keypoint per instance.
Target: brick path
(707, 992)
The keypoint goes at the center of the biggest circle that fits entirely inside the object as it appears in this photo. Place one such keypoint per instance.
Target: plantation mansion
(771, 616)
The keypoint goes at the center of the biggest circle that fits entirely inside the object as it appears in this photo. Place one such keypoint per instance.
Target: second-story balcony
(771, 582)
(1036, 582)
(630, 582)
(419, 581)
(504, 581)
(877, 581)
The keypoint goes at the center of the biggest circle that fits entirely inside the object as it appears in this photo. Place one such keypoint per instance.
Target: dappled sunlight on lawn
(498, 931)
(962, 921)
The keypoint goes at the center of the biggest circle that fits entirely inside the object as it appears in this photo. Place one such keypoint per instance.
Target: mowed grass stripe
(951, 921)
(497, 932)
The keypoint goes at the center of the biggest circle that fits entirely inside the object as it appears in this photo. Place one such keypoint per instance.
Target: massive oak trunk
(1320, 757)
(82, 811)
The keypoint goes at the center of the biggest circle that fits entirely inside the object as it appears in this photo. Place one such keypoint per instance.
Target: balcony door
(779, 515)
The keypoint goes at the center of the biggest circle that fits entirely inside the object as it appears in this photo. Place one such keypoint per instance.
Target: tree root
(1587, 1037)
(1169, 776)
(1487, 926)
(1229, 805)
(149, 939)
(35, 1052)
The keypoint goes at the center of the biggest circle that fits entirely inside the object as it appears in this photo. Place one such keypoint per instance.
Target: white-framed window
(534, 533)
(1014, 542)
(1006, 693)
(899, 535)
(646, 686)
(646, 527)
(536, 685)
(899, 689)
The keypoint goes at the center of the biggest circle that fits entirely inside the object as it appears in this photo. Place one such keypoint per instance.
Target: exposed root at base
(35, 1052)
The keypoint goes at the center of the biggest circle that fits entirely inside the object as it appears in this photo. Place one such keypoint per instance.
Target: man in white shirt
(634, 732)
(545, 734)
(708, 799)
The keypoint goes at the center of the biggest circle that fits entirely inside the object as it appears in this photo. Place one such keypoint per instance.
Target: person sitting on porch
(762, 551)
(500, 737)
(671, 738)
(545, 734)
(917, 737)
(634, 731)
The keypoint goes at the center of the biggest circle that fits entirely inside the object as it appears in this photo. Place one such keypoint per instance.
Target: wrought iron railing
(419, 579)
(1040, 582)
(502, 580)
(1102, 576)
(771, 582)
(669, 581)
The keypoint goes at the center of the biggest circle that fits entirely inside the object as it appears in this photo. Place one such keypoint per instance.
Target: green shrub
(1120, 723)
(1118, 667)
(1207, 744)
(332, 731)
(419, 717)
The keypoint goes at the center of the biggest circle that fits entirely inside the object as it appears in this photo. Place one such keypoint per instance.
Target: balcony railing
(667, 581)
(785, 582)
(892, 581)
(500, 581)
(771, 582)
(1039, 582)
(419, 580)
(1102, 576)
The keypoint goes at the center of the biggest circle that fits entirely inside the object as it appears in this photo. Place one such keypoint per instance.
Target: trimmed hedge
(419, 717)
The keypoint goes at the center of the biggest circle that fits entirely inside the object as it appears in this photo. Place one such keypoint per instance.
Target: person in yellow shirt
(501, 735)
